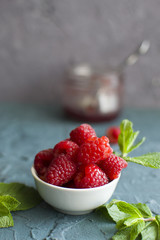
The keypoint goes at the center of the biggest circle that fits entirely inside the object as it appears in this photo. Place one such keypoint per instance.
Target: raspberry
(93, 150)
(80, 134)
(112, 166)
(60, 170)
(66, 147)
(92, 176)
(42, 161)
(113, 133)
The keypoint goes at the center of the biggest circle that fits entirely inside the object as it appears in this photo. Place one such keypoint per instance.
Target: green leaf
(116, 214)
(6, 219)
(136, 229)
(108, 205)
(127, 222)
(133, 221)
(125, 134)
(27, 196)
(127, 137)
(150, 232)
(148, 160)
(102, 210)
(137, 145)
(131, 232)
(3, 210)
(9, 202)
(130, 221)
(129, 209)
(120, 224)
(144, 209)
(157, 217)
(123, 234)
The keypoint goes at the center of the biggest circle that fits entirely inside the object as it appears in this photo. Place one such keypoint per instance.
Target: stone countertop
(27, 129)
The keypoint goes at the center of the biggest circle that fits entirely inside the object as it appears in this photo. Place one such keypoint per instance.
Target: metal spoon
(142, 49)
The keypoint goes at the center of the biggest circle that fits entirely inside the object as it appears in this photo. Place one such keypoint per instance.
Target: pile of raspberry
(81, 161)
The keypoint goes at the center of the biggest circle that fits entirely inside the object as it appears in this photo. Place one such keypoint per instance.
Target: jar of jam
(92, 94)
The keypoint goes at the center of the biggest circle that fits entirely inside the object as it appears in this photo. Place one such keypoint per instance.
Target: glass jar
(91, 94)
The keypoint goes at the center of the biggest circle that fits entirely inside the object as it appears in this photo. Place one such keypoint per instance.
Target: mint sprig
(127, 138)
(132, 220)
(14, 197)
(127, 143)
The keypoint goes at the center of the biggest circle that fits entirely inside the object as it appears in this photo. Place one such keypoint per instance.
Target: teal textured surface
(27, 129)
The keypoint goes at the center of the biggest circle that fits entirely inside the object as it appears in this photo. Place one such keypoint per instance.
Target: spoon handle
(142, 49)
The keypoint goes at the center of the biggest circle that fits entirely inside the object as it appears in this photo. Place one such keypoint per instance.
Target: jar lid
(80, 71)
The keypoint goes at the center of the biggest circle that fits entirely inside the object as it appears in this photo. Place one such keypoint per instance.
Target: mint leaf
(158, 218)
(27, 196)
(123, 234)
(136, 229)
(104, 212)
(127, 222)
(150, 231)
(144, 209)
(116, 214)
(148, 160)
(127, 138)
(9, 202)
(6, 219)
(108, 205)
(129, 209)
(125, 135)
(130, 221)
(137, 144)
(113, 211)
(130, 233)
(121, 223)
(13, 197)
(158, 223)
(133, 221)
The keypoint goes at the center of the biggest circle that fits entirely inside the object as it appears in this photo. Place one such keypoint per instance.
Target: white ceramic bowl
(74, 201)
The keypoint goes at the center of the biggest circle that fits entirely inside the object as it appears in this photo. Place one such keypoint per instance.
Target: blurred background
(39, 39)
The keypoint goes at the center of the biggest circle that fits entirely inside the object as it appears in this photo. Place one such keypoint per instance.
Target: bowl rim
(34, 174)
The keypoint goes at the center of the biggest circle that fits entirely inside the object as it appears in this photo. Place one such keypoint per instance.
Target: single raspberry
(61, 170)
(80, 134)
(42, 161)
(112, 166)
(93, 150)
(92, 176)
(113, 133)
(66, 147)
